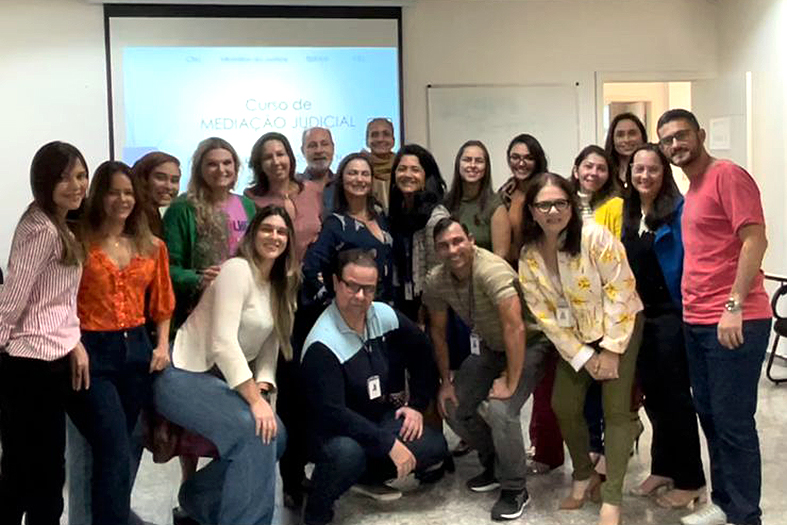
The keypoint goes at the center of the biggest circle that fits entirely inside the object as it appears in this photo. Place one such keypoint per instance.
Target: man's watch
(733, 305)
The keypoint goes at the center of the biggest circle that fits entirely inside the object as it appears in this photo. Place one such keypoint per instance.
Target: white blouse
(232, 328)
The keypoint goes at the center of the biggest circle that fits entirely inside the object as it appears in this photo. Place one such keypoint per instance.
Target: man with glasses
(726, 314)
(368, 373)
(482, 289)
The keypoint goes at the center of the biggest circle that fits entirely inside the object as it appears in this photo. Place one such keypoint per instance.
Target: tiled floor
(449, 503)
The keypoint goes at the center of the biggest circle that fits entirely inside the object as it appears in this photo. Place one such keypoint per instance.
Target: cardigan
(180, 234)
(598, 287)
(231, 327)
(610, 214)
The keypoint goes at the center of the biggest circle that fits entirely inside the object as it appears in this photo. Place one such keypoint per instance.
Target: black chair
(780, 327)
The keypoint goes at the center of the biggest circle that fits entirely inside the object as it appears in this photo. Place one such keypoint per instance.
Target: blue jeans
(342, 462)
(79, 466)
(724, 383)
(239, 486)
(107, 413)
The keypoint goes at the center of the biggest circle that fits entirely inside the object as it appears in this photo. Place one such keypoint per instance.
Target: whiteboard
(496, 114)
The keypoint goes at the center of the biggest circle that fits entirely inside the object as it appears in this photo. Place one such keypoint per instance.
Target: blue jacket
(668, 246)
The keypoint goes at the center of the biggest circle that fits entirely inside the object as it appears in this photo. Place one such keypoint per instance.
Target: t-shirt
(718, 203)
(493, 280)
(477, 221)
(236, 221)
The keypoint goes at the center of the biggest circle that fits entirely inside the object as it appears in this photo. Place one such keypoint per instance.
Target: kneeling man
(356, 362)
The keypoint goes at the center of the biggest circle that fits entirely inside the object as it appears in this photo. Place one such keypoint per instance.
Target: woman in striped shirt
(39, 335)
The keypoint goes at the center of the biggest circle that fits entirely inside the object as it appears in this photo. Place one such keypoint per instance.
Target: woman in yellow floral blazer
(579, 286)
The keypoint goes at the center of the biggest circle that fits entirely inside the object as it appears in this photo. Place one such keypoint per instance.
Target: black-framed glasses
(546, 206)
(681, 136)
(368, 289)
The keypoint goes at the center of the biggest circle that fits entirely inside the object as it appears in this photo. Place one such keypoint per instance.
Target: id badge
(475, 344)
(408, 291)
(564, 317)
(373, 387)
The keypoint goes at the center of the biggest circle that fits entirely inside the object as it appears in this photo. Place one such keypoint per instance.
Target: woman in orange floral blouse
(579, 286)
(124, 264)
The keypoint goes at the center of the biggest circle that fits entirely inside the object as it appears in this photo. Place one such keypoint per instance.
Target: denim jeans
(342, 462)
(724, 383)
(79, 467)
(107, 412)
(498, 437)
(239, 486)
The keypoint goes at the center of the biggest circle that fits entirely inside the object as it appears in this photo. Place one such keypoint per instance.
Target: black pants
(107, 413)
(33, 434)
(664, 376)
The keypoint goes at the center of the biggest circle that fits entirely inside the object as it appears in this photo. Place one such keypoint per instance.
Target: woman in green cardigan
(202, 229)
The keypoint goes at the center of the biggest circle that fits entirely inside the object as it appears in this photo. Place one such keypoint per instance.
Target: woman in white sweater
(223, 374)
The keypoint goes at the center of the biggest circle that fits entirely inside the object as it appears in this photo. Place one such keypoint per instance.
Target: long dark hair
(609, 145)
(425, 200)
(284, 276)
(663, 209)
(340, 204)
(49, 165)
(454, 198)
(535, 150)
(531, 230)
(136, 225)
(140, 173)
(261, 185)
(610, 189)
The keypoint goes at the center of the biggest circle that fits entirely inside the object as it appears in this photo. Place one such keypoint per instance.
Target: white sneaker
(710, 514)
(379, 492)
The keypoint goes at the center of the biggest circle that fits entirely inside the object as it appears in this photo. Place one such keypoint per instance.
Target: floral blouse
(599, 290)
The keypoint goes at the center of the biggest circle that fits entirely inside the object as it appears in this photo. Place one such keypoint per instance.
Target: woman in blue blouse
(357, 222)
(652, 237)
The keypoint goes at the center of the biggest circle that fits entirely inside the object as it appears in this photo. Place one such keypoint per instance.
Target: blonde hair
(285, 277)
(212, 233)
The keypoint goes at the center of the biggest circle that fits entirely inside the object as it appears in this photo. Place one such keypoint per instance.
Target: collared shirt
(493, 280)
(38, 302)
(598, 287)
(329, 186)
(112, 298)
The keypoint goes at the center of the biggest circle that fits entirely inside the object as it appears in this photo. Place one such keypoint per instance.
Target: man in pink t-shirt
(726, 313)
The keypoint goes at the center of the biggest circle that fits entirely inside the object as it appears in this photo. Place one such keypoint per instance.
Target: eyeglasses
(368, 289)
(546, 206)
(681, 136)
(516, 159)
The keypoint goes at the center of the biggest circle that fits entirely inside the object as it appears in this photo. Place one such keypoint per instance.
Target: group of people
(343, 318)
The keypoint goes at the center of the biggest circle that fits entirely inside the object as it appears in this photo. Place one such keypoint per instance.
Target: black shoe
(434, 473)
(179, 517)
(510, 505)
(484, 482)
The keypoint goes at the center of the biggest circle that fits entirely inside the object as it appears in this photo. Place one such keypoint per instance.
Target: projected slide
(173, 97)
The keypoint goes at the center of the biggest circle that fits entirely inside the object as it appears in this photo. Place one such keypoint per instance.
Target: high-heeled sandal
(592, 493)
(678, 499)
(664, 483)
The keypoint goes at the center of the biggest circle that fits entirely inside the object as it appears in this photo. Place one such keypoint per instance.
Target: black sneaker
(510, 505)
(484, 482)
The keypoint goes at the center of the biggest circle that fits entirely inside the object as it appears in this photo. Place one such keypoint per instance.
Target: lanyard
(471, 299)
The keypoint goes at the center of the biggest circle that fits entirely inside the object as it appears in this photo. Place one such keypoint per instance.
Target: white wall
(752, 38)
(53, 70)
(52, 87)
(542, 41)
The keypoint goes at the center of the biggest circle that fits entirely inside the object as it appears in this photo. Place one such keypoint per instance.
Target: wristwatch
(733, 305)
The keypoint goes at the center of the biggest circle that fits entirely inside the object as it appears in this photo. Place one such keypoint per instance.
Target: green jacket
(180, 235)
